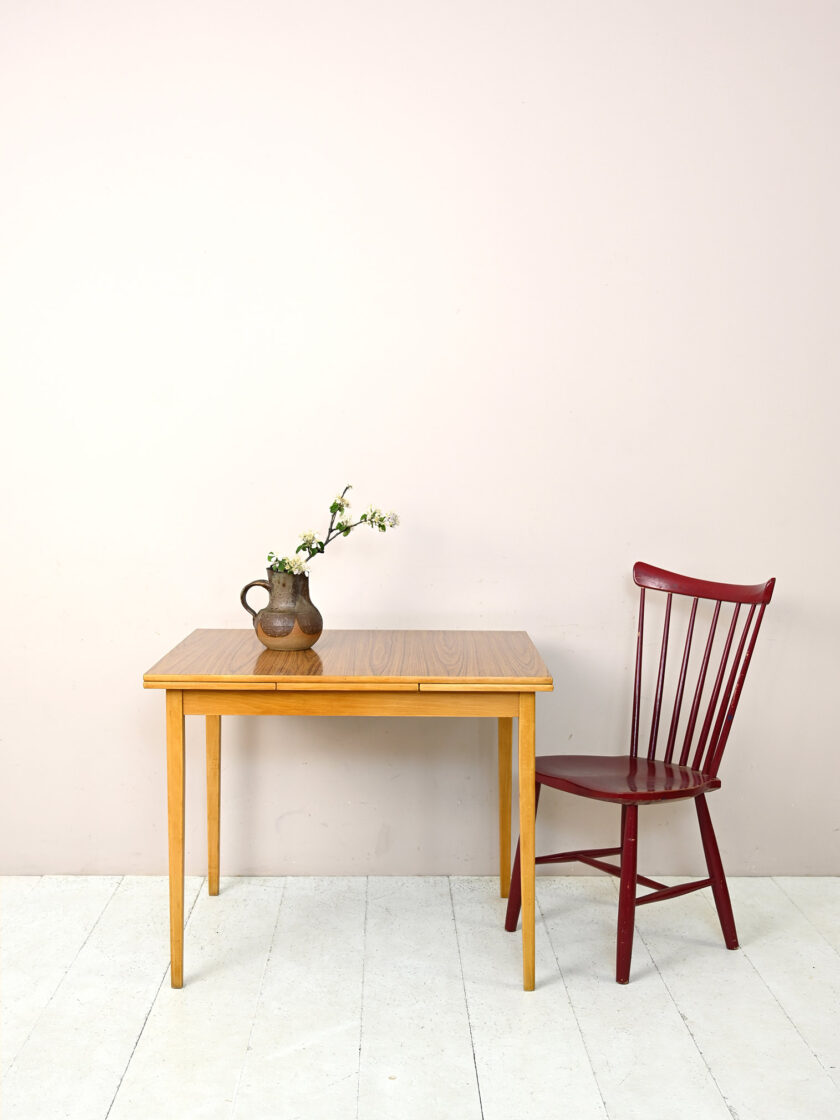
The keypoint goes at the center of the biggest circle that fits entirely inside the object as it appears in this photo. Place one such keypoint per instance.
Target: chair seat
(622, 778)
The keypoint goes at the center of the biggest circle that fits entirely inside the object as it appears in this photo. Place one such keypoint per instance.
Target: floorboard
(416, 1052)
(44, 922)
(75, 1055)
(529, 1051)
(800, 967)
(303, 1055)
(400, 998)
(758, 1058)
(188, 1061)
(635, 1034)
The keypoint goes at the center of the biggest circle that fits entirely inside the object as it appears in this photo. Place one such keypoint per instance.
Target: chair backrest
(703, 695)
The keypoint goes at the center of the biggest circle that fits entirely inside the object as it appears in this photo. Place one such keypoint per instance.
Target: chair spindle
(637, 684)
(678, 699)
(660, 681)
(713, 763)
(727, 692)
(698, 691)
(707, 722)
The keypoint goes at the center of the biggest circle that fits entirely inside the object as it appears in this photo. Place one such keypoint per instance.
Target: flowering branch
(312, 546)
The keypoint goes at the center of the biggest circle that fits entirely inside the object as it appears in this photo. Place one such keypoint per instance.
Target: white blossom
(340, 525)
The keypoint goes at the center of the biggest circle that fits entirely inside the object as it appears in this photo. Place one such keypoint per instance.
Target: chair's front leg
(175, 804)
(505, 784)
(214, 792)
(627, 894)
(527, 813)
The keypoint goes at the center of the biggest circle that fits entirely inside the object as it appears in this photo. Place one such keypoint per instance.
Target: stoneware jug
(291, 620)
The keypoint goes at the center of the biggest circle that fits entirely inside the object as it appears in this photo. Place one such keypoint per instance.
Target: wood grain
(214, 799)
(527, 814)
(175, 803)
(503, 658)
(505, 796)
(483, 687)
(342, 703)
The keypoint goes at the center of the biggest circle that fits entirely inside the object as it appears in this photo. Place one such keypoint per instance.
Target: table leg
(505, 782)
(214, 798)
(175, 798)
(526, 833)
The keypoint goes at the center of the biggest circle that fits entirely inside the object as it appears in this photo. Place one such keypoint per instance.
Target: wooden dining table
(459, 673)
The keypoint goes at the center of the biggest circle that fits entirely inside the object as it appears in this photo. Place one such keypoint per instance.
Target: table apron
(200, 702)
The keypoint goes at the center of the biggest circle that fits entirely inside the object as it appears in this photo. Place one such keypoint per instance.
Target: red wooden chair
(687, 768)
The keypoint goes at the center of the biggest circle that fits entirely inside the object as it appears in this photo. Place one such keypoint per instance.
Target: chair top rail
(657, 579)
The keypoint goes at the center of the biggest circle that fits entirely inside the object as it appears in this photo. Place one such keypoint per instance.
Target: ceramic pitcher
(291, 620)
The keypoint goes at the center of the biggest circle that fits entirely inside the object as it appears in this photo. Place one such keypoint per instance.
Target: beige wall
(558, 282)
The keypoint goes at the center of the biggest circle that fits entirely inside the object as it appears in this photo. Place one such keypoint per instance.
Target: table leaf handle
(254, 583)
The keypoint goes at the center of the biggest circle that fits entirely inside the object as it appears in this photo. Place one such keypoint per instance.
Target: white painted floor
(395, 999)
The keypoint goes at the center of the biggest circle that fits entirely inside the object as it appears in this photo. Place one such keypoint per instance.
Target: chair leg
(514, 903)
(627, 893)
(713, 862)
(515, 896)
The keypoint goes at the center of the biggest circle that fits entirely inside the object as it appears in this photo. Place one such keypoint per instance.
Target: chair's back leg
(627, 893)
(514, 903)
(515, 896)
(713, 862)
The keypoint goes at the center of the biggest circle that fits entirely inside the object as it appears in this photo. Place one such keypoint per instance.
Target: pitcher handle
(254, 583)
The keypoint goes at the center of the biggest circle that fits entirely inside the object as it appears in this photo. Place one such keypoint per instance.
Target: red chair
(632, 780)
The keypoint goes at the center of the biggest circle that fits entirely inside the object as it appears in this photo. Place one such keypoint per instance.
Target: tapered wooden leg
(175, 800)
(505, 784)
(515, 900)
(713, 862)
(526, 834)
(627, 894)
(214, 792)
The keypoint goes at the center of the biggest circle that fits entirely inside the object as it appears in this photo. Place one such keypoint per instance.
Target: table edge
(303, 684)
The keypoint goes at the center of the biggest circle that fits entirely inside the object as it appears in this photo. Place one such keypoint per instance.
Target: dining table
(485, 674)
